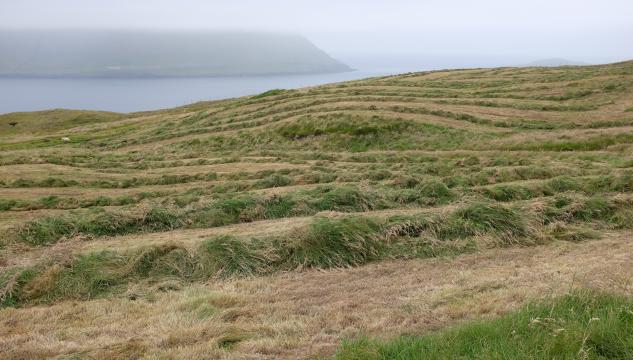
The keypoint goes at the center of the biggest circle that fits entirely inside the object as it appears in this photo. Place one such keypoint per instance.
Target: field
(481, 213)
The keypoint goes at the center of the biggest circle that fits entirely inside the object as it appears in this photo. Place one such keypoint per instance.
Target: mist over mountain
(127, 53)
(553, 62)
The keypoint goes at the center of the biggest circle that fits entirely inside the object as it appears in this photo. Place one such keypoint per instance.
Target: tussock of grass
(329, 243)
(611, 212)
(227, 256)
(156, 261)
(509, 192)
(346, 199)
(564, 183)
(479, 218)
(50, 229)
(583, 324)
(435, 191)
(11, 283)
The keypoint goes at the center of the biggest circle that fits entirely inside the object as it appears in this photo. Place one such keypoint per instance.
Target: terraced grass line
(233, 209)
(324, 244)
(582, 324)
(227, 211)
(524, 106)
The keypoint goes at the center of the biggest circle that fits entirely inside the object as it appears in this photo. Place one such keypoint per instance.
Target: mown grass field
(483, 213)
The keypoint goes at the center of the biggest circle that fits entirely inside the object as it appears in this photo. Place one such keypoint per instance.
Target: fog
(518, 31)
(134, 53)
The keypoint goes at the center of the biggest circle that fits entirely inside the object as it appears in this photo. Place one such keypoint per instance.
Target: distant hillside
(553, 62)
(133, 53)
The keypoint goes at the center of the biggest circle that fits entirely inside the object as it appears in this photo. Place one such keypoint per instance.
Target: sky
(582, 30)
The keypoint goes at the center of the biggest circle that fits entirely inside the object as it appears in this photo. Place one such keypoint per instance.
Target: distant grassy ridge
(42, 122)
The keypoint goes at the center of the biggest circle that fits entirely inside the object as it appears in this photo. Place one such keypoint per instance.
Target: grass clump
(12, 283)
(345, 198)
(481, 219)
(508, 192)
(227, 256)
(583, 324)
(46, 230)
(329, 243)
(435, 192)
(103, 273)
(97, 223)
(564, 183)
(161, 261)
(615, 213)
(272, 181)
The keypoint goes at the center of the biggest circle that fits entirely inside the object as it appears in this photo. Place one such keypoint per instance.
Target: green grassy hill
(370, 212)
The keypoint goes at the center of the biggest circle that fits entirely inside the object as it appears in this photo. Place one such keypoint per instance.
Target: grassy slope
(398, 168)
(50, 121)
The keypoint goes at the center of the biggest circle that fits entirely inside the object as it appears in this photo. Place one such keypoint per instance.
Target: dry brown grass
(297, 315)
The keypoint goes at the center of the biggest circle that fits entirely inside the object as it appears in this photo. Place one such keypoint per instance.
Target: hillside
(436, 211)
(554, 62)
(105, 53)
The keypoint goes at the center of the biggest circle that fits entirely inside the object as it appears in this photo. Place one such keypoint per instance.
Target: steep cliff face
(134, 53)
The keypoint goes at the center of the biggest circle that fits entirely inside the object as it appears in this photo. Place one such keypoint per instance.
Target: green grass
(11, 283)
(190, 213)
(323, 244)
(509, 192)
(480, 218)
(52, 120)
(595, 143)
(48, 230)
(273, 92)
(329, 243)
(226, 256)
(580, 325)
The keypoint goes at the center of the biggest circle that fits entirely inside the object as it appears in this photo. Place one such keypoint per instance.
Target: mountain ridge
(105, 53)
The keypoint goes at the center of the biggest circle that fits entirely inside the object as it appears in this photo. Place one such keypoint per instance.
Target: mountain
(104, 53)
(554, 62)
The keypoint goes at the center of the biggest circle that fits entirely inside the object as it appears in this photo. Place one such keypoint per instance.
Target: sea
(142, 94)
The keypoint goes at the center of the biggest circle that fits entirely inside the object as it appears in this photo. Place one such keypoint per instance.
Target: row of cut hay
(326, 243)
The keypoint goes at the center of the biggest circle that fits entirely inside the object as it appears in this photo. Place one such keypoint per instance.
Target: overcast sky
(577, 29)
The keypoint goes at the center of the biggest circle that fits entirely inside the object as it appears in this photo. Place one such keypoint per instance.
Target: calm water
(126, 95)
